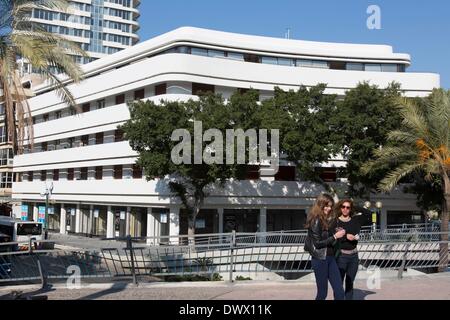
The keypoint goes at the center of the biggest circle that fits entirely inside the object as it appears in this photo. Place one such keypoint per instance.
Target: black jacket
(318, 240)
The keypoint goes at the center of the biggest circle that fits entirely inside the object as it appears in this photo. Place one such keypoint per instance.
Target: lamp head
(379, 204)
(367, 205)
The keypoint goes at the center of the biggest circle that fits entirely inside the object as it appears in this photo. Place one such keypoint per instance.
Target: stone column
(110, 223)
(78, 219)
(151, 226)
(63, 217)
(174, 224)
(262, 220)
(127, 221)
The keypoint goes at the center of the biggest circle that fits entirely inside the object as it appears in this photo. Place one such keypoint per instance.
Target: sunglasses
(345, 207)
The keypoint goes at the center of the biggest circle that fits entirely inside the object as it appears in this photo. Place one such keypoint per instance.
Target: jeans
(327, 270)
(348, 267)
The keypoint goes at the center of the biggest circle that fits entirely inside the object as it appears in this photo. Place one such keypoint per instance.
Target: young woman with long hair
(322, 236)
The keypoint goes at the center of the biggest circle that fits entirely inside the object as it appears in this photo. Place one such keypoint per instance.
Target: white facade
(169, 66)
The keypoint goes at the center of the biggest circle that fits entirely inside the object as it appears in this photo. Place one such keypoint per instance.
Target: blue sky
(420, 28)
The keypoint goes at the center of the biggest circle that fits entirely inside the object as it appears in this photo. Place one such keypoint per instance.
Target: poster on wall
(41, 215)
(72, 211)
(51, 210)
(96, 213)
(24, 212)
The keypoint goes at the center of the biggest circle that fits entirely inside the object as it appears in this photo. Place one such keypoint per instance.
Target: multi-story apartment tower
(101, 27)
(99, 190)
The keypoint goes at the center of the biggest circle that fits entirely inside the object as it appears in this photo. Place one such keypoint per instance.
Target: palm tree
(421, 145)
(48, 53)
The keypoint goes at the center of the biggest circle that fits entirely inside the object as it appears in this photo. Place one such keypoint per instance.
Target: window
(252, 58)
(120, 99)
(389, 67)
(30, 176)
(216, 53)
(118, 170)
(5, 156)
(285, 173)
(199, 51)
(200, 88)
(71, 142)
(6, 179)
(338, 65)
(45, 116)
(70, 174)
(235, 56)
(137, 172)
(86, 107)
(98, 173)
(3, 134)
(139, 94)
(56, 175)
(373, 67)
(44, 146)
(58, 114)
(83, 173)
(286, 62)
(43, 175)
(355, 66)
(84, 140)
(118, 135)
(99, 138)
(269, 60)
(100, 104)
(160, 89)
(252, 173)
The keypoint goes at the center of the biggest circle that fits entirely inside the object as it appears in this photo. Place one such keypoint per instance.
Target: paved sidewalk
(427, 287)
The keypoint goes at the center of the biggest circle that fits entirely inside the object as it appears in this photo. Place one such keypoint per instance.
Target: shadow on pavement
(359, 294)
(33, 295)
(116, 287)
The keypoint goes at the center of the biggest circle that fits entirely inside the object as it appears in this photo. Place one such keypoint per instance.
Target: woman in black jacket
(348, 260)
(319, 243)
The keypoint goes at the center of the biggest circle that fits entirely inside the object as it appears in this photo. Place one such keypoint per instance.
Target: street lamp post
(376, 212)
(46, 193)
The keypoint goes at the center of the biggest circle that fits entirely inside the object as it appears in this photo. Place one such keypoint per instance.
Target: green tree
(364, 118)
(307, 135)
(48, 53)
(421, 145)
(149, 132)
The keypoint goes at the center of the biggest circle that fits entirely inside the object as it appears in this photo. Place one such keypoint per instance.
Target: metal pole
(133, 270)
(46, 215)
(232, 244)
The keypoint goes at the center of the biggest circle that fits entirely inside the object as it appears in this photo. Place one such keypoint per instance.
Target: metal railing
(276, 252)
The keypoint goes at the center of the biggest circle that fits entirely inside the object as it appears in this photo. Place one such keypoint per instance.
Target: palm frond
(393, 177)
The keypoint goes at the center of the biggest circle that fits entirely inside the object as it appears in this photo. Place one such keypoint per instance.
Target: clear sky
(419, 28)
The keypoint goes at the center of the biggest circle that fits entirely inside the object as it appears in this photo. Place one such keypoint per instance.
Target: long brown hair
(316, 211)
(337, 209)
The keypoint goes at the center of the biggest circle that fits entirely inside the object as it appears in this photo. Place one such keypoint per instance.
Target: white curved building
(98, 190)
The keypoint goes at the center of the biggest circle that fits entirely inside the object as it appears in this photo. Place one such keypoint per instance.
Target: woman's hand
(339, 234)
(350, 237)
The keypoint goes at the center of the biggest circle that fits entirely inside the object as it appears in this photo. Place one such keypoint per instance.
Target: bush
(194, 277)
(240, 278)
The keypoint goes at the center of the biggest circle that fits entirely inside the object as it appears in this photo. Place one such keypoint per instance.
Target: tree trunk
(191, 221)
(443, 257)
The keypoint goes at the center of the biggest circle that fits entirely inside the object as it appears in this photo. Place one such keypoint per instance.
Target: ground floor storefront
(109, 221)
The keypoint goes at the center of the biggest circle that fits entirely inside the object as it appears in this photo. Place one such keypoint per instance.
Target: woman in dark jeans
(320, 244)
(348, 260)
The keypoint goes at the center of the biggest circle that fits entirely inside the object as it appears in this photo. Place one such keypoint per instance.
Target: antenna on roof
(287, 35)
